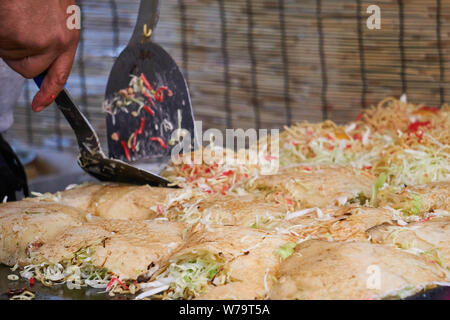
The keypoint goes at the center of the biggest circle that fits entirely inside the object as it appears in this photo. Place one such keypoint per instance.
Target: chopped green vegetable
(286, 250)
(412, 206)
(212, 273)
(361, 199)
(434, 255)
(417, 203)
(378, 185)
(26, 211)
(402, 293)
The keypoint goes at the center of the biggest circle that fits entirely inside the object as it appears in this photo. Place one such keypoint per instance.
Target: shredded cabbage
(266, 221)
(322, 151)
(419, 165)
(47, 196)
(191, 277)
(26, 295)
(76, 272)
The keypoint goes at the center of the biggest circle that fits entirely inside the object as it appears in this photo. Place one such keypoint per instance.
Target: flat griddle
(58, 292)
(61, 292)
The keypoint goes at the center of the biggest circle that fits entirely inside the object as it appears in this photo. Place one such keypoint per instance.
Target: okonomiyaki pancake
(355, 211)
(126, 249)
(414, 200)
(245, 211)
(116, 201)
(78, 196)
(337, 224)
(353, 270)
(430, 238)
(307, 187)
(27, 225)
(223, 262)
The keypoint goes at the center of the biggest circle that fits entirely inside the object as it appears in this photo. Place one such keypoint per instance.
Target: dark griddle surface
(61, 292)
(58, 292)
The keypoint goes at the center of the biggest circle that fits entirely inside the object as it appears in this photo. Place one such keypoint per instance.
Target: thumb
(54, 81)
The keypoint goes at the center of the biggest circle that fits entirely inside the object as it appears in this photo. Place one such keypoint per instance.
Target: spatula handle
(39, 79)
(86, 136)
(148, 15)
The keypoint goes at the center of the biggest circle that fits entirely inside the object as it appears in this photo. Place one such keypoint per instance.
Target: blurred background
(251, 64)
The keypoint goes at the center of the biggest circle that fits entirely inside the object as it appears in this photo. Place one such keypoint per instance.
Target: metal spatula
(91, 158)
(142, 130)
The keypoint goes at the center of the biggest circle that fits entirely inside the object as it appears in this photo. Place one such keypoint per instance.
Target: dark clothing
(12, 173)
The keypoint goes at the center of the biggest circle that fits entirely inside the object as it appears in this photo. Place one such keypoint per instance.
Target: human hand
(34, 37)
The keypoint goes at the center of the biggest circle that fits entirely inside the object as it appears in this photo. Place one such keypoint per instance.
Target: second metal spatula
(91, 158)
(147, 98)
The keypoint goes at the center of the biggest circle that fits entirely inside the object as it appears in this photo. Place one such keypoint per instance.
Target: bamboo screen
(261, 63)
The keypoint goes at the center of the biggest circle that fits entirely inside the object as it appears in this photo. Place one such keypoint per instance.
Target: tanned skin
(34, 37)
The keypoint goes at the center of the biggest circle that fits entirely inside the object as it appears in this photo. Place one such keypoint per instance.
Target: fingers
(16, 53)
(32, 66)
(13, 51)
(54, 81)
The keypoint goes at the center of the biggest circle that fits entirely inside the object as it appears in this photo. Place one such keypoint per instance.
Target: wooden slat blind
(264, 63)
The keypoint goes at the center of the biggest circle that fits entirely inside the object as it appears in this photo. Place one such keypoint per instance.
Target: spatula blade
(174, 112)
(117, 171)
